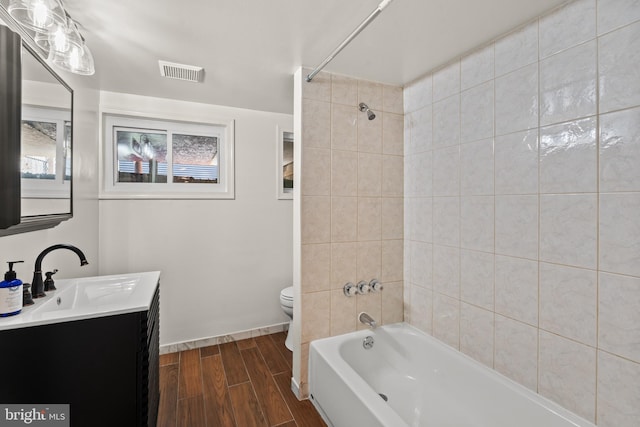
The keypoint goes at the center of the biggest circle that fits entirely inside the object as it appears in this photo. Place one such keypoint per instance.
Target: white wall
(223, 262)
(522, 201)
(82, 229)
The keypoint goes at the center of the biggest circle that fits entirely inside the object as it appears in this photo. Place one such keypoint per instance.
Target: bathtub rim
(382, 412)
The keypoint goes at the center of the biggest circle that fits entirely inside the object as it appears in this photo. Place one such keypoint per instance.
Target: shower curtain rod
(351, 36)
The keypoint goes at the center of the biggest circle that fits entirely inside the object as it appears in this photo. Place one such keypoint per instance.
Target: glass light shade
(37, 15)
(77, 60)
(42, 41)
(63, 37)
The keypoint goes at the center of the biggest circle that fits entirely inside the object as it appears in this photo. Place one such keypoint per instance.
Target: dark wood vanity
(106, 368)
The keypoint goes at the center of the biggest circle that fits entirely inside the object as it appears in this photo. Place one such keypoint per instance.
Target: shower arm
(351, 36)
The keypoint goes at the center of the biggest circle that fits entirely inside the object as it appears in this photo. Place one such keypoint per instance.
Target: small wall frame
(284, 164)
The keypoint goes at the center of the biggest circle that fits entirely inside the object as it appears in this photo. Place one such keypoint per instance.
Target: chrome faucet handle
(363, 287)
(375, 285)
(350, 289)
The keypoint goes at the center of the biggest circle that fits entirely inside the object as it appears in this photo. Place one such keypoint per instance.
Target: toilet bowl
(286, 302)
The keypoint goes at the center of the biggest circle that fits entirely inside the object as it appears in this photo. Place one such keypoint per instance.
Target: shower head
(370, 114)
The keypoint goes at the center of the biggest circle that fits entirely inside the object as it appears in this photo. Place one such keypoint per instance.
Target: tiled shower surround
(351, 206)
(522, 207)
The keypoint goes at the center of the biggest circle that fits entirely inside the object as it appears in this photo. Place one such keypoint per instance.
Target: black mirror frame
(10, 126)
(36, 222)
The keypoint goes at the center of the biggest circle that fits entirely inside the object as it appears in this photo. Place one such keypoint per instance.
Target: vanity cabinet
(105, 368)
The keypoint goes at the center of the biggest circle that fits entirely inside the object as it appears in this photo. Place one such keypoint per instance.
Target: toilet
(286, 302)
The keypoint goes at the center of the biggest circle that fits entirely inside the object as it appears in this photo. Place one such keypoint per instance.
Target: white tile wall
(421, 270)
(476, 223)
(446, 81)
(569, 157)
(618, 400)
(446, 220)
(516, 226)
(618, 59)
(613, 14)
(619, 233)
(446, 122)
(477, 278)
(477, 112)
(477, 67)
(516, 289)
(446, 270)
(446, 171)
(516, 351)
(516, 100)
(477, 168)
(476, 333)
(568, 231)
(446, 319)
(619, 317)
(568, 302)
(620, 151)
(421, 130)
(518, 49)
(568, 84)
(516, 163)
(567, 373)
(573, 24)
(522, 199)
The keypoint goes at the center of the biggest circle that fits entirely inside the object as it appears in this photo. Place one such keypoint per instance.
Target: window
(150, 158)
(46, 153)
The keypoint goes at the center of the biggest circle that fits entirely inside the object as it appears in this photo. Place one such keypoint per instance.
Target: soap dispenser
(10, 293)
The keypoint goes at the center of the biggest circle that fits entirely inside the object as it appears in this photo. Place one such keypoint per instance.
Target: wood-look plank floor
(240, 384)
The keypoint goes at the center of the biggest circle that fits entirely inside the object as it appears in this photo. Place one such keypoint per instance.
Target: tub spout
(367, 320)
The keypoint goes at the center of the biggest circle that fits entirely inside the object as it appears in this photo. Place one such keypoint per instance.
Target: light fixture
(68, 51)
(77, 60)
(55, 33)
(42, 41)
(63, 37)
(37, 15)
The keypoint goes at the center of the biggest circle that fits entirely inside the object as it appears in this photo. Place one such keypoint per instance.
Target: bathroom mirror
(45, 139)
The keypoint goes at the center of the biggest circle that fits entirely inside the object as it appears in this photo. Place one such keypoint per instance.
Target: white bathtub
(426, 383)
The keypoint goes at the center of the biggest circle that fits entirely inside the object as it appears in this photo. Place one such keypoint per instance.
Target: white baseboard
(235, 336)
(295, 388)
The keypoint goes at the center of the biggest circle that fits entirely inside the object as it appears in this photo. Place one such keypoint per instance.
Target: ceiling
(251, 48)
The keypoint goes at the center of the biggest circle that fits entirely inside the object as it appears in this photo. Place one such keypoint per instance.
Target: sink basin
(88, 297)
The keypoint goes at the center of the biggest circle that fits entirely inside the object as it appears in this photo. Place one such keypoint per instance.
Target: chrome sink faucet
(367, 320)
(37, 285)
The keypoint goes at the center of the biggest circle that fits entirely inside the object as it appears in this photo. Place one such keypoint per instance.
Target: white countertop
(86, 298)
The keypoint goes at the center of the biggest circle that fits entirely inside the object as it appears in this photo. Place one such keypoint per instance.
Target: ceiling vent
(189, 73)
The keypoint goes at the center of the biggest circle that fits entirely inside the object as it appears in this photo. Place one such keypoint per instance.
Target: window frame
(224, 130)
(281, 192)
